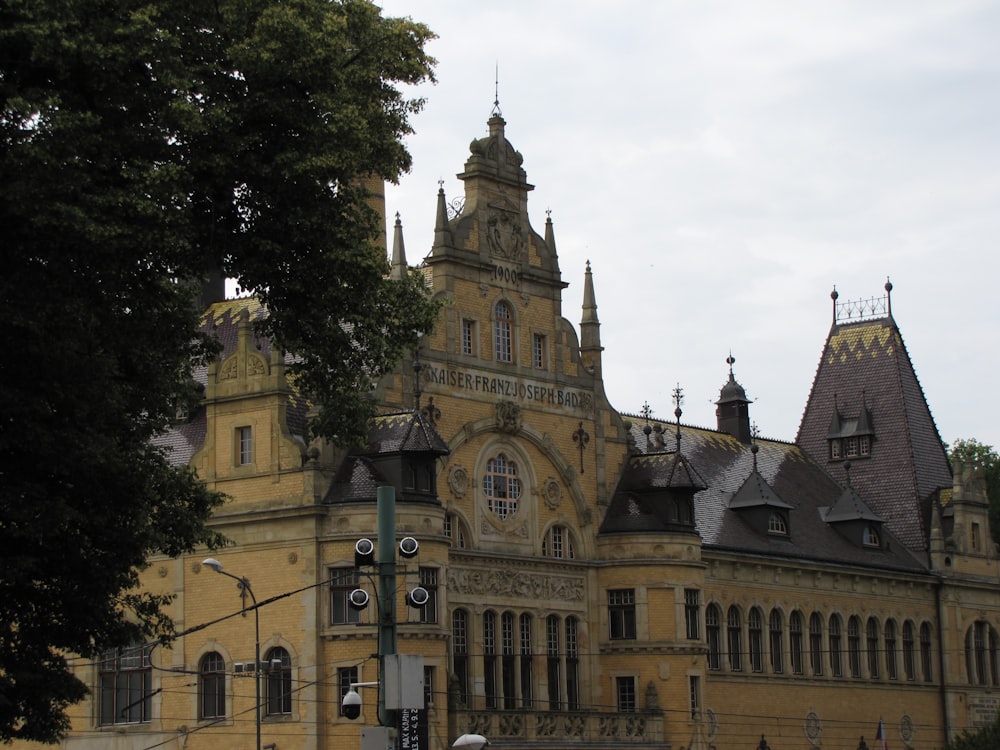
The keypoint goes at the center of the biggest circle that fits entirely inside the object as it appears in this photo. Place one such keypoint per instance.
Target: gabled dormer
(852, 518)
(759, 506)
(851, 436)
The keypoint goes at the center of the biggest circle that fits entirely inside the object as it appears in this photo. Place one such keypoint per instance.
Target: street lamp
(211, 562)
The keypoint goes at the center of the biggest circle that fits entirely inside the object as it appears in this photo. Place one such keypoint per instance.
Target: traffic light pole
(386, 497)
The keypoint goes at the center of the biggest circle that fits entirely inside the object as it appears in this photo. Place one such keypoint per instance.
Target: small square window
(244, 446)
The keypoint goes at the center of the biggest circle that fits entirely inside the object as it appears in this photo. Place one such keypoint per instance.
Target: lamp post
(245, 589)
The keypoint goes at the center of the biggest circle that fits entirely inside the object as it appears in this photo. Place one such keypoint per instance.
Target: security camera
(417, 596)
(358, 599)
(364, 553)
(408, 547)
(351, 705)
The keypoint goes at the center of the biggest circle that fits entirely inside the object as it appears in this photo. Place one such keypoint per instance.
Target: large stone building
(594, 579)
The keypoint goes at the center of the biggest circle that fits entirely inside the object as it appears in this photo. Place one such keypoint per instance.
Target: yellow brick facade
(595, 640)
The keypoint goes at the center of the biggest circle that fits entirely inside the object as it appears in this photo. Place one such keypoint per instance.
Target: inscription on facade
(982, 710)
(511, 388)
(515, 584)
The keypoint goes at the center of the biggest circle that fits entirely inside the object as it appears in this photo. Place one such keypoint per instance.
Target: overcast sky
(724, 164)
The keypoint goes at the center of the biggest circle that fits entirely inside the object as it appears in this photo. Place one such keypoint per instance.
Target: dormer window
(835, 449)
(864, 445)
(870, 536)
(850, 437)
(776, 524)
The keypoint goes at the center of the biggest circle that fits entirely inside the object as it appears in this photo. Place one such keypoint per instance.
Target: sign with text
(413, 734)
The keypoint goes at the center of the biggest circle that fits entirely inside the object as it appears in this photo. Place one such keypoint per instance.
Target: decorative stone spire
(550, 237)
(442, 233)
(590, 326)
(399, 268)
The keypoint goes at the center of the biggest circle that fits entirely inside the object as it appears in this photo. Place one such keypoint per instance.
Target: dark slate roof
(404, 432)
(356, 480)
(849, 507)
(866, 365)
(643, 498)
(726, 466)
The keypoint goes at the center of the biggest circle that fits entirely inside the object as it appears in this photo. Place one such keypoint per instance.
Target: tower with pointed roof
(867, 406)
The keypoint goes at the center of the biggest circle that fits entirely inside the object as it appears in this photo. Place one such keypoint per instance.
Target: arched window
(212, 686)
(890, 650)
(713, 630)
(572, 664)
(909, 652)
(816, 643)
(795, 641)
(836, 665)
(501, 486)
(777, 642)
(554, 662)
(854, 645)
(503, 323)
(734, 624)
(981, 654)
(524, 660)
(558, 543)
(507, 660)
(490, 658)
(871, 632)
(776, 524)
(460, 652)
(925, 652)
(279, 682)
(755, 626)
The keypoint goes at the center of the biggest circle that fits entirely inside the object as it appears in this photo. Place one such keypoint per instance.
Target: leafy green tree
(145, 144)
(984, 738)
(972, 453)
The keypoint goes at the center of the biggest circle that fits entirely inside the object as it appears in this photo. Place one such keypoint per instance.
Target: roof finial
(888, 296)
(496, 94)
(678, 400)
(730, 360)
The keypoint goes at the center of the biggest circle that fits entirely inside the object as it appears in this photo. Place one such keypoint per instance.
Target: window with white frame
(244, 446)
(503, 325)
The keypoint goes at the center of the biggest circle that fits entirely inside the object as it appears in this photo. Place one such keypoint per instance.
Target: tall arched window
(777, 642)
(572, 664)
(981, 654)
(553, 662)
(795, 641)
(713, 631)
(890, 650)
(925, 652)
(460, 652)
(854, 645)
(734, 624)
(871, 632)
(501, 486)
(836, 665)
(507, 660)
(909, 651)
(503, 323)
(279, 682)
(490, 659)
(816, 643)
(212, 686)
(755, 626)
(524, 660)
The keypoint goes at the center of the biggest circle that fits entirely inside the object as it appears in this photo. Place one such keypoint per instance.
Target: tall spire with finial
(398, 269)
(442, 232)
(550, 237)
(496, 93)
(678, 400)
(590, 326)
